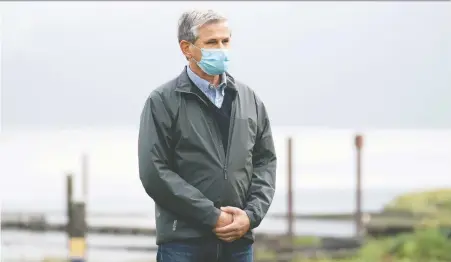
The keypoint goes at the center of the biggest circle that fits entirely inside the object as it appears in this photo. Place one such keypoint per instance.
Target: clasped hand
(232, 224)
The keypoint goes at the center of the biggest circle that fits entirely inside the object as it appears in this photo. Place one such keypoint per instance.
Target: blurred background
(75, 75)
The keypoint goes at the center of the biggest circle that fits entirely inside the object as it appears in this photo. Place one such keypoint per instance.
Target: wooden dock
(281, 245)
(38, 222)
(375, 224)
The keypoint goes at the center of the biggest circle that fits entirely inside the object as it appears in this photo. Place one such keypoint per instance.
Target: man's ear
(186, 50)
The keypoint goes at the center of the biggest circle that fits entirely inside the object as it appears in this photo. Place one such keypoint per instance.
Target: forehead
(214, 30)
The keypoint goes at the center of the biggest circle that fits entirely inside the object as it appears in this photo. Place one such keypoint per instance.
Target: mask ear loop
(194, 60)
(193, 57)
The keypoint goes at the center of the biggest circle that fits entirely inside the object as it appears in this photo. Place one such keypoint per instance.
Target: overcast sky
(350, 65)
(342, 64)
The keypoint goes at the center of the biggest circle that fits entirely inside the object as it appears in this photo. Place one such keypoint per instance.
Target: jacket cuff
(212, 218)
(252, 219)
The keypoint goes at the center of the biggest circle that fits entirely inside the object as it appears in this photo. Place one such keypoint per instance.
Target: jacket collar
(184, 83)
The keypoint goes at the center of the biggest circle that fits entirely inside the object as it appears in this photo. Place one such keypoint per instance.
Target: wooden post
(358, 193)
(69, 200)
(290, 188)
(76, 224)
(77, 231)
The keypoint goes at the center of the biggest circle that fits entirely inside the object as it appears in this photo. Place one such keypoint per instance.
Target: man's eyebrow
(216, 39)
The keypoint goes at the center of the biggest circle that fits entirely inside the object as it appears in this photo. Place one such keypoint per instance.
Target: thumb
(232, 210)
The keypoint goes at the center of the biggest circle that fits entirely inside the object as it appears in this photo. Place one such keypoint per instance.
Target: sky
(327, 64)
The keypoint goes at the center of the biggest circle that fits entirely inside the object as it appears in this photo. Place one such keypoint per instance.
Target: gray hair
(191, 21)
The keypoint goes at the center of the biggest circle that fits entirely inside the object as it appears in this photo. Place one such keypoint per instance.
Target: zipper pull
(225, 172)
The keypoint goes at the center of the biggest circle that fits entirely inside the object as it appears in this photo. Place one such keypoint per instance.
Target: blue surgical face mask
(214, 61)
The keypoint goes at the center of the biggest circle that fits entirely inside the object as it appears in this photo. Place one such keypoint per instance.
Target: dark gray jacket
(184, 169)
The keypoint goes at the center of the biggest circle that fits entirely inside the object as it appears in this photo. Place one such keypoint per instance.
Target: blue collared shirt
(215, 94)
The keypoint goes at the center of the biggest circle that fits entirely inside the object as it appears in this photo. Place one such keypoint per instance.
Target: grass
(306, 241)
(430, 208)
(427, 212)
(426, 202)
(422, 245)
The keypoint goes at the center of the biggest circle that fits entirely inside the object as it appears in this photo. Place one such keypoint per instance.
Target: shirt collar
(203, 84)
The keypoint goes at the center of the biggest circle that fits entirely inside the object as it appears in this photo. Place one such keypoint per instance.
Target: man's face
(210, 36)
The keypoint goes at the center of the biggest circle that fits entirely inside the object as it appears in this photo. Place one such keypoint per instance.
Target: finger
(224, 230)
(228, 239)
(231, 239)
(232, 210)
(228, 234)
(231, 227)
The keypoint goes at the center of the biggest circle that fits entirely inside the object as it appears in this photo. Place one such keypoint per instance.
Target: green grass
(428, 212)
(426, 202)
(306, 241)
(430, 208)
(423, 245)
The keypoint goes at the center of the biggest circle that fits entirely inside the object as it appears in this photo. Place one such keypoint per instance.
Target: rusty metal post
(358, 192)
(290, 215)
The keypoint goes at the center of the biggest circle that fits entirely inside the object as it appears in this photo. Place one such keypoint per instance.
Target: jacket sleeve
(162, 184)
(264, 160)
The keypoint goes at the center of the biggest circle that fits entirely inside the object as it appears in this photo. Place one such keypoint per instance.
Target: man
(206, 153)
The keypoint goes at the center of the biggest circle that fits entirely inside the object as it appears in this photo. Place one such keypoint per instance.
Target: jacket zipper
(229, 140)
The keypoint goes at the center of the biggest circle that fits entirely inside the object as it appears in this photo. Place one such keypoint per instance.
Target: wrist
(214, 217)
(250, 216)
